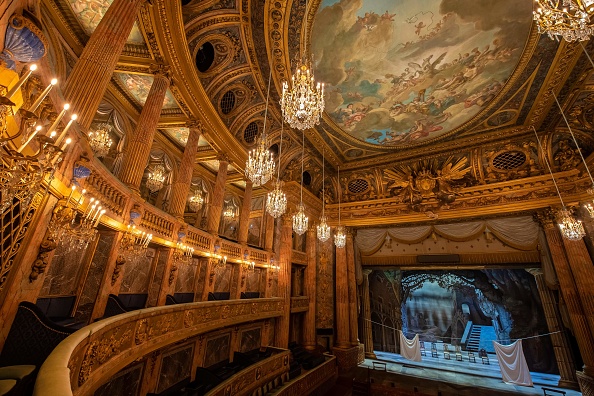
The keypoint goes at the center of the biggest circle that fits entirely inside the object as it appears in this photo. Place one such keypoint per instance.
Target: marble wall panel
(223, 279)
(234, 280)
(94, 276)
(185, 277)
(155, 284)
(137, 273)
(176, 366)
(217, 349)
(250, 340)
(201, 275)
(253, 280)
(64, 272)
(325, 285)
(126, 382)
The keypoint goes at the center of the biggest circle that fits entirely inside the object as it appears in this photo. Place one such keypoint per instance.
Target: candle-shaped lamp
(43, 95)
(59, 118)
(73, 118)
(21, 81)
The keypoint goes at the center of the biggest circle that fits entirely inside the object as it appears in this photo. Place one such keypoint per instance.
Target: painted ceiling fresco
(180, 135)
(402, 72)
(90, 12)
(139, 85)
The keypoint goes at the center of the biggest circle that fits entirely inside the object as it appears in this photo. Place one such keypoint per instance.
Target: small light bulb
(33, 67)
(54, 81)
(73, 117)
(66, 106)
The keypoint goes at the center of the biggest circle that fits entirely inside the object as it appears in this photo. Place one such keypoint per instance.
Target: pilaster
(244, 217)
(284, 282)
(309, 320)
(218, 195)
(366, 312)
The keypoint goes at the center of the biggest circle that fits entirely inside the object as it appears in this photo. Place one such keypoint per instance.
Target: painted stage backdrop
(402, 72)
(444, 306)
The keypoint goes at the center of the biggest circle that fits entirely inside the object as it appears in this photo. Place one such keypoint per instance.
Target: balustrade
(231, 250)
(256, 375)
(92, 355)
(299, 304)
(199, 240)
(102, 185)
(306, 383)
(157, 223)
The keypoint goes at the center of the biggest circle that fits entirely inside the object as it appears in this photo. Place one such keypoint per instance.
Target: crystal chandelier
(134, 242)
(156, 178)
(300, 220)
(196, 201)
(340, 234)
(100, 141)
(276, 200)
(70, 230)
(260, 164)
(569, 19)
(323, 229)
(229, 211)
(302, 102)
(220, 262)
(571, 229)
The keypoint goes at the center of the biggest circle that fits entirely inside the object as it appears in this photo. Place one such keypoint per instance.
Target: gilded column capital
(159, 69)
(223, 157)
(367, 272)
(546, 218)
(534, 271)
(195, 124)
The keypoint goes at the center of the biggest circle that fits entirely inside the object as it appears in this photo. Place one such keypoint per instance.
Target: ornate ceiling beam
(169, 29)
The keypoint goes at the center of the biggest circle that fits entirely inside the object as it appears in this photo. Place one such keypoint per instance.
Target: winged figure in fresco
(426, 179)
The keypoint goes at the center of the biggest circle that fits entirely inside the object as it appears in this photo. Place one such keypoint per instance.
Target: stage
(459, 378)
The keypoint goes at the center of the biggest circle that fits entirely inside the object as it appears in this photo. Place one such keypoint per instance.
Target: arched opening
(205, 56)
(306, 178)
(227, 102)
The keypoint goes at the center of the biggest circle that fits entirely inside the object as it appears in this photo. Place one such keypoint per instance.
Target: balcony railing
(91, 356)
(299, 304)
(256, 375)
(306, 383)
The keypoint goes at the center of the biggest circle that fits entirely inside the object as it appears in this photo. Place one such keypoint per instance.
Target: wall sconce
(134, 242)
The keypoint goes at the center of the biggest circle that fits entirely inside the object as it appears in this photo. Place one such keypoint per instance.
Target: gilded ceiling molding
(68, 27)
(168, 21)
(196, 27)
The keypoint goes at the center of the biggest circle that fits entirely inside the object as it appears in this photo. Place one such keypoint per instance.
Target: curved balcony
(91, 356)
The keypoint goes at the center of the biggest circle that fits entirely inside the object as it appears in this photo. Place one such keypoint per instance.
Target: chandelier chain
(544, 155)
(573, 136)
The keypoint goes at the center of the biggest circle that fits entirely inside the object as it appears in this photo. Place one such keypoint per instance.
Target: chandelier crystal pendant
(300, 220)
(260, 164)
(323, 229)
(571, 229)
(276, 200)
(196, 201)
(133, 243)
(156, 179)
(340, 234)
(183, 253)
(569, 19)
(100, 141)
(302, 101)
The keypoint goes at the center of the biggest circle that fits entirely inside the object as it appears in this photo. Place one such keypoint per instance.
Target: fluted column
(218, 195)
(342, 300)
(91, 74)
(309, 320)
(138, 149)
(351, 278)
(366, 312)
(583, 273)
(180, 188)
(569, 292)
(558, 336)
(269, 233)
(284, 282)
(244, 216)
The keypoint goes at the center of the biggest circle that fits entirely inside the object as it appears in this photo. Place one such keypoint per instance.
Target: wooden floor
(480, 379)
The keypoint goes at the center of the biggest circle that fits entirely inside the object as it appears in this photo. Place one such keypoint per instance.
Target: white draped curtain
(518, 232)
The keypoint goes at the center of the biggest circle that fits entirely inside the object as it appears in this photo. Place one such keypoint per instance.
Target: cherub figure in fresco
(388, 17)
(418, 27)
(90, 11)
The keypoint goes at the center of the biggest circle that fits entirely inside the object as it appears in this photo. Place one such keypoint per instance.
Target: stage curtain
(512, 363)
(410, 349)
(460, 232)
(518, 232)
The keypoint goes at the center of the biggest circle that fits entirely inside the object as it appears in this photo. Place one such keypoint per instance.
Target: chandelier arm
(339, 193)
(544, 155)
(574, 139)
(323, 181)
